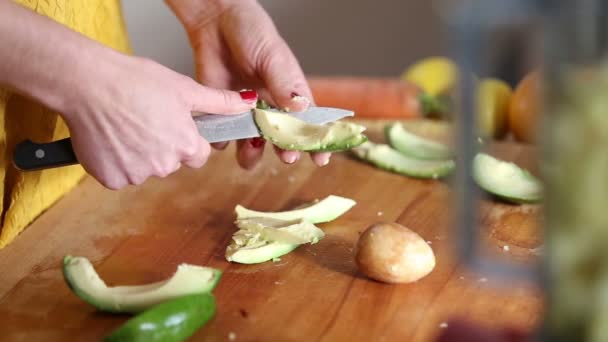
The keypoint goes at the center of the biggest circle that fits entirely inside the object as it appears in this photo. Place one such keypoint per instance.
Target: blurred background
(375, 38)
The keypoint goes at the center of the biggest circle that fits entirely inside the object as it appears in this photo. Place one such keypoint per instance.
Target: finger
(220, 145)
(220, 101)
(200, 155)
(321, 158)
(288, 157)
(249, 152)
(265, 95)
(211, 68)
(175, 168)
(284, 78)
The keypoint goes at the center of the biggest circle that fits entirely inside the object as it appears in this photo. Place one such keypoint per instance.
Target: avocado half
(290, 133)
(506, 180)
(84, 281)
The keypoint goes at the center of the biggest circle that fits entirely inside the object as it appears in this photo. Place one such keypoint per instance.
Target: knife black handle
(31, 156)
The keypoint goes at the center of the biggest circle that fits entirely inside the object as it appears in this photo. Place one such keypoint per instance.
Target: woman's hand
(237, 46)
(136, 121)
(129, 118)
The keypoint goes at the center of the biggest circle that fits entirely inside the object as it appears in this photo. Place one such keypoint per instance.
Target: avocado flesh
(261, 239)
(290, 133)
(325, 210)
(86, 284)
(506, 180)
(292, 232)
(415, 146)
(385, 157)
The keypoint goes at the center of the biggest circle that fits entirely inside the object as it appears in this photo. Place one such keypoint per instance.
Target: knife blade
(30, 156)
(219, 128)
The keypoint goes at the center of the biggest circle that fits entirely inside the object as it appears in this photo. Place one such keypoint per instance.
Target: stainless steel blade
(219, 128)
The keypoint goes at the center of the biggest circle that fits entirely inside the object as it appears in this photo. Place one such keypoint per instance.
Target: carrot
(382, 98)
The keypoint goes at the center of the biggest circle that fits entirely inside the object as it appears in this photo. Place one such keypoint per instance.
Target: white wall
(330, 37)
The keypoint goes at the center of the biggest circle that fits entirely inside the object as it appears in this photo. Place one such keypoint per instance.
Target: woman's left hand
(236, 45)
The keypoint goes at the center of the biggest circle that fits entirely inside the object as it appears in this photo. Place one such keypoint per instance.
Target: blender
(568, 40)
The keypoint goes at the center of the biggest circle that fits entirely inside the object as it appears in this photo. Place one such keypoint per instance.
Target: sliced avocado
(259, 254)
(290, 133)
(413, 145)
(84, 281)
(385, 157)
(506, 180)
(260, 239)
(292, 232)
(325, 210)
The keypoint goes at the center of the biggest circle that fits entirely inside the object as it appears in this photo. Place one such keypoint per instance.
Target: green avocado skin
(335, 147)
(171, 321)
(369, 154)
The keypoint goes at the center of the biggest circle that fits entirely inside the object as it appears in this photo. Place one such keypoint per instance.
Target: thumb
(285, 80)
(220, 101)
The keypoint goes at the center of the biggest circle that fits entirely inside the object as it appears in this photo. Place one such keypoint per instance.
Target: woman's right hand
(133, 120)
(129, 118)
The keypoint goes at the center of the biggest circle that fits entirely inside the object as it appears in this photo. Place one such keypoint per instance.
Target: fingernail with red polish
(249, 96)
(295, 97)
(257, 142)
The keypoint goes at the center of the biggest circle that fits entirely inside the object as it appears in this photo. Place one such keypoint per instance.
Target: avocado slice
(415, 146)
(292, 232)
(325, 210)
(260, 239)
(290, 133)
(259, 254)
(84, 281)
(506, 180)
(385, 157)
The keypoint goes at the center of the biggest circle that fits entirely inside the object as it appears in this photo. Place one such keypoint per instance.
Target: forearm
(44, 60)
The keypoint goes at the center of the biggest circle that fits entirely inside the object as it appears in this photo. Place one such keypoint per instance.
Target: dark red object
(294, 94)
(249, 96)
(257, 142)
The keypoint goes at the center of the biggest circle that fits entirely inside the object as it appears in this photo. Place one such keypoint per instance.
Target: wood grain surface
(140, 235)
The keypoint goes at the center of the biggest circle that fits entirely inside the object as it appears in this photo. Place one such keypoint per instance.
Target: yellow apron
(27, 195)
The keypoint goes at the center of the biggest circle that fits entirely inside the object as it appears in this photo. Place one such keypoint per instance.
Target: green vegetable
(84, 281)
(387, 158)
(171, 321)
(506, 180)
(290, 133)
(415, 146)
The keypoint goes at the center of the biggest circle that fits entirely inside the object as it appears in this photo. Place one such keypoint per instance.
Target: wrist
(194, 13)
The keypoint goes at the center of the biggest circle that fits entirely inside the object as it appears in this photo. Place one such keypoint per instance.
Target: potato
(391, 253)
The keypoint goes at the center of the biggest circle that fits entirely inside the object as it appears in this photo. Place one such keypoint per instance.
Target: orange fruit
(525, 108)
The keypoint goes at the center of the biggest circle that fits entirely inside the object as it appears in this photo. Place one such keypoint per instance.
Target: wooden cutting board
(140, 235)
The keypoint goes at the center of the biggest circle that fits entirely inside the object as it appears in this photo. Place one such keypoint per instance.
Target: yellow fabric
(27, 195)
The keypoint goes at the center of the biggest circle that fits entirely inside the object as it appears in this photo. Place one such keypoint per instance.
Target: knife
(29, 155)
